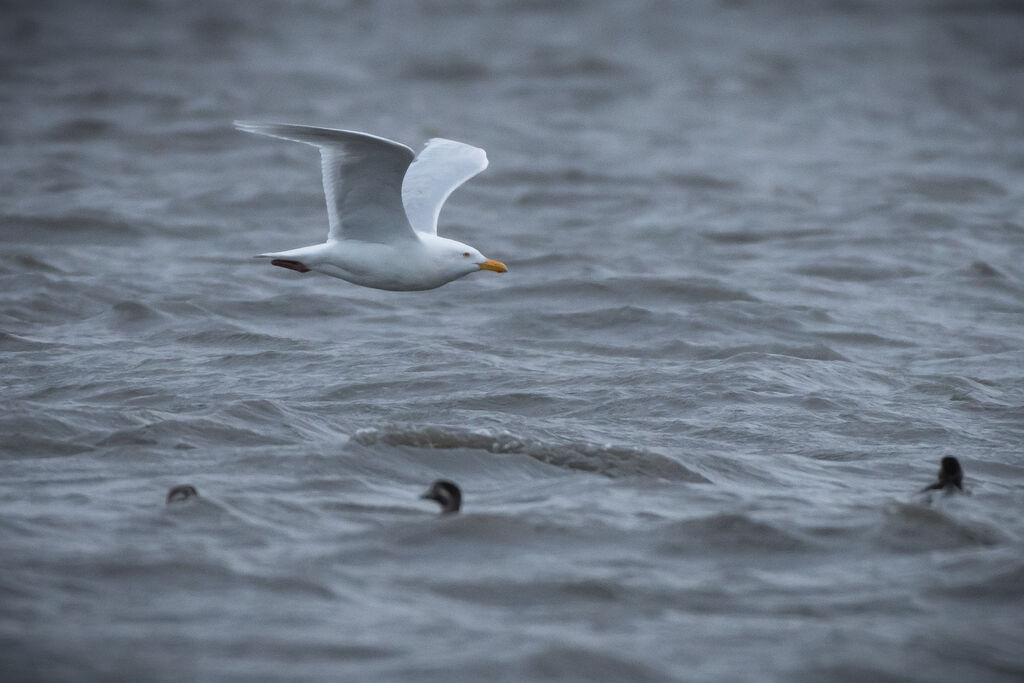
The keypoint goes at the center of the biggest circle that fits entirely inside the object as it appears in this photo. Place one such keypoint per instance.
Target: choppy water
(765, 271)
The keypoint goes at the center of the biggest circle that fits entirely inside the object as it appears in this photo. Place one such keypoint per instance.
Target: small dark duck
(180, 493)
(446, 493)
(951, 476)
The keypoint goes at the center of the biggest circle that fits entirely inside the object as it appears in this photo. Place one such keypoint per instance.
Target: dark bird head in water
(446, 493)
(183, 492)
(951, 476)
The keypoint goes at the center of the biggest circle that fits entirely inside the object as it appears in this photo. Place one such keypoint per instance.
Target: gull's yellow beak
(496, 266)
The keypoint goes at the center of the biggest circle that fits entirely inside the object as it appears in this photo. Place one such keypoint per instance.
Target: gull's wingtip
(275, 130)
(284, 131)
(481, 158)
(461, 149)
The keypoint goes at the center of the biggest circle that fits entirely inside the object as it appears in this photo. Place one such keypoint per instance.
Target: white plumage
(382, 207)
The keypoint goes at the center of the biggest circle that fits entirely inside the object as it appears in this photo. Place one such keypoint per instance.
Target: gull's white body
(398, 267)
(382, 206)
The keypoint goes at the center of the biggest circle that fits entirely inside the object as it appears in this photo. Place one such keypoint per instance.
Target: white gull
(382, 206)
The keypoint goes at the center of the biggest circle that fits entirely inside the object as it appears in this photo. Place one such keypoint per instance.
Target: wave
(726, 533)
(868, 339)
(996, 288)
(952, 188)
(81, 129)
(630, 290)
(38, 435)
(43, 298)
(20, 263)
(135, 315)
(995, 587)
(914, 528)
(546, 63)
(12, 342)
(240, 339)
(451, 67)
(90, 226)
(858, 272)
(756, 236)
(567, 662)
(605, 459)
(696, 180)
(759, 352)
(29, 444)
(182, 566)
(185, 434)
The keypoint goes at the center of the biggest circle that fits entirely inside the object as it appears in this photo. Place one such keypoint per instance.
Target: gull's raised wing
(441, 167)
(363, 177)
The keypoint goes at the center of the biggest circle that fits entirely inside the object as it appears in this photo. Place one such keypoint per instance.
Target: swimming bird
(446, 493)
(182, 492)
(951, 476)
(382, 207)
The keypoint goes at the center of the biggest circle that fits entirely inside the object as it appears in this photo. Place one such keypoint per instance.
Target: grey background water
(765, 270)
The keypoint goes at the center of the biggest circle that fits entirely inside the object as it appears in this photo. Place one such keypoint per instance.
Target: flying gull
(382, 207)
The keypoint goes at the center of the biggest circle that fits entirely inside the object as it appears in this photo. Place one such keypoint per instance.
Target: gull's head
(460, 259)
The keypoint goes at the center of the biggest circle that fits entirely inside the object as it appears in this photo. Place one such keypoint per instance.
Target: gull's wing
(441, 167)
(362, 179)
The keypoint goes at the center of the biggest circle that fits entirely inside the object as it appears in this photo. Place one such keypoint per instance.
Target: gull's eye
(465, 254)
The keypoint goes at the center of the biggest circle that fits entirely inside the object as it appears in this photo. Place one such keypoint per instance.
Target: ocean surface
(766, 269)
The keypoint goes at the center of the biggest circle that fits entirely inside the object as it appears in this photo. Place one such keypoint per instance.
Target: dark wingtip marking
(290, 265)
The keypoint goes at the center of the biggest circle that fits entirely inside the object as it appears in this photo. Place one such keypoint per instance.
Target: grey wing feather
(362, 177)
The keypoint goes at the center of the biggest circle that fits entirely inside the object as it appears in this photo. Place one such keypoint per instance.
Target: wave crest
(609, 460)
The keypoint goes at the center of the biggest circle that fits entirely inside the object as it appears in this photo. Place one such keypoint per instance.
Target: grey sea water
(765, 271)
